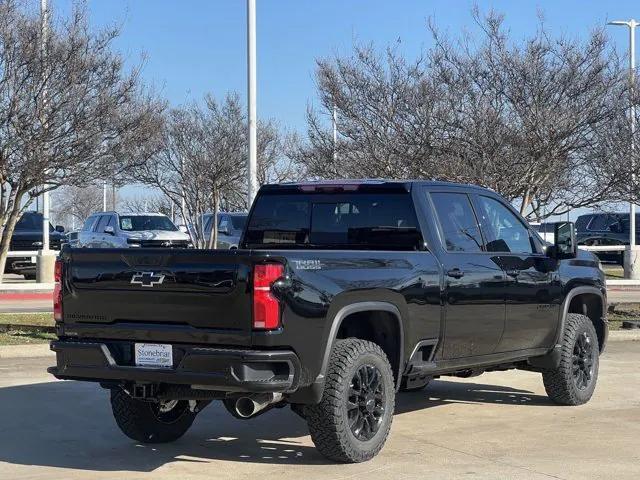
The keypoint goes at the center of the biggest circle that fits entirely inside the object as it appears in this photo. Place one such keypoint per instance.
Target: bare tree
(77, 203)
(94, 118)
(203, 161)
(148, 203)
(532, 120)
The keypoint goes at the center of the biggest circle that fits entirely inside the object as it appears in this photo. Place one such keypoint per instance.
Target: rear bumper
(219, 369)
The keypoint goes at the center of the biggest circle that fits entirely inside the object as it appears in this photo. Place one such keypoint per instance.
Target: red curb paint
(7, 296)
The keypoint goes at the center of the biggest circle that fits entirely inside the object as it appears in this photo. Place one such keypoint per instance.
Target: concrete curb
(26, 351)
(624, 335)
(623, 282)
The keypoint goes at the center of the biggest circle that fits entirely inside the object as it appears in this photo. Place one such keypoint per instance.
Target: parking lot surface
(496, 426)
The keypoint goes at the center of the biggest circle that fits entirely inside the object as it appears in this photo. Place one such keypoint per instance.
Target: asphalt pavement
(497, 426)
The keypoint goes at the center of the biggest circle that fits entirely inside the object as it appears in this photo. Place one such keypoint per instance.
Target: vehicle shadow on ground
(440, 392)
(69, 425)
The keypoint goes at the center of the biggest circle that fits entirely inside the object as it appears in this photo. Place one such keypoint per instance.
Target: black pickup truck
(341, 294)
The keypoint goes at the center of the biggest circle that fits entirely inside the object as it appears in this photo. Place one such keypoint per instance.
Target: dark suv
(604, 229)
(27, 236)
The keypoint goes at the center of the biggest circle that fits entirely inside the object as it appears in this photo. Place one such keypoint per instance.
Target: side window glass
(503, 230)
(88, 224)
(102, 223)
(458, 222)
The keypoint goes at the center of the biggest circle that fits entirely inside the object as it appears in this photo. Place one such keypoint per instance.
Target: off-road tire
(561, 383)
(328, 421)
(138, 420)
(404, 387)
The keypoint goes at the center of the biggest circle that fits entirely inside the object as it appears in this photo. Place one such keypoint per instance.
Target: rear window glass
(582, 222)
(602, 222)
(355, 220)
(238, 221)
(30, 221)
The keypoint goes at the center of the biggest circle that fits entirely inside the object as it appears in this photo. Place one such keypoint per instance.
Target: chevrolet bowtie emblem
(147, 279)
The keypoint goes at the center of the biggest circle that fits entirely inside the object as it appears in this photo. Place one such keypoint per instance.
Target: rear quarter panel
(321, 283)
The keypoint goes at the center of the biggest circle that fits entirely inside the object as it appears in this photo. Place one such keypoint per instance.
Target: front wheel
(151, 422)
(352, 421)
(574, 380)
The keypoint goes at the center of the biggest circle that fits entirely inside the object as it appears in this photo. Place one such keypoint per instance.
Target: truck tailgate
(158, 294)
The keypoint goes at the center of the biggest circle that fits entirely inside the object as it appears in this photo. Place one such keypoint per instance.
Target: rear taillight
(266, 308)
(57, 291)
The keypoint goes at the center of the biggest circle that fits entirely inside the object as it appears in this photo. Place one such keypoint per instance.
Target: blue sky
(196, 46)
(199, 46)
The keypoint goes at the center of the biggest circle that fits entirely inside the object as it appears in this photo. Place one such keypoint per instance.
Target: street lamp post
(44, 26)
(252, 180)
(45, 260)
(630, 270)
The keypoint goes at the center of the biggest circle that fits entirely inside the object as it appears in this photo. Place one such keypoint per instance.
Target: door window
(224, 224)
(89, 224)
(458, 222)
(503, 230)
(102, 223)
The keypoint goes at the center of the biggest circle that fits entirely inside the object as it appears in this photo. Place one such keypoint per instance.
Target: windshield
(354, 220)
(137, 223)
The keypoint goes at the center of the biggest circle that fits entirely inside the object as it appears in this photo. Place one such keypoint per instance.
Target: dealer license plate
(153, 355)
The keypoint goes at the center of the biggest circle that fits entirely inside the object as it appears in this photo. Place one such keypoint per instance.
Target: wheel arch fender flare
(564, 310)
(367, 306)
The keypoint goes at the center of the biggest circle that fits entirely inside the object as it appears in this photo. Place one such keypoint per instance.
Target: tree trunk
(7, 233)
(213, 238)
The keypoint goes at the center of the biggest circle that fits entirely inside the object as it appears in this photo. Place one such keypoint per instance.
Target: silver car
(131, 230)
(230, 227)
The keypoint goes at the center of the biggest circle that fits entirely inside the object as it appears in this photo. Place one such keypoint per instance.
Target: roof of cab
(368, 183)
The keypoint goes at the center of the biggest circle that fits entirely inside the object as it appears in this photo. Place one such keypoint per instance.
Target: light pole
(630, 271)
(104, 195)
(252, 180)
(44, 28)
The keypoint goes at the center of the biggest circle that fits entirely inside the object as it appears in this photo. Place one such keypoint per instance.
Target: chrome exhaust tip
(250, 406)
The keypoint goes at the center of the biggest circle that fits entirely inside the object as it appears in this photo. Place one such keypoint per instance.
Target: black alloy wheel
(366, 404)
(583, 359)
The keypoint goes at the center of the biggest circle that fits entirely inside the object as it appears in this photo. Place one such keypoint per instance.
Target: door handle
(455, 273)
(513, 273)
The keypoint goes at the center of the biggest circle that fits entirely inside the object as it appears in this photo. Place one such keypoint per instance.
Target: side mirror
(183, 228)
(109, 230)
(224, 230)
(59, 228)
(564, 242)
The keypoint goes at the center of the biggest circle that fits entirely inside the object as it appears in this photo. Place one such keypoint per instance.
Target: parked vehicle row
(131, 230)
(230, 227)
(606, 229)
(27, 236)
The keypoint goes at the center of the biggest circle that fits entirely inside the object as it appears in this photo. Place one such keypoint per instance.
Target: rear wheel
(574, 380)
(352, 421)
(151, 422)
